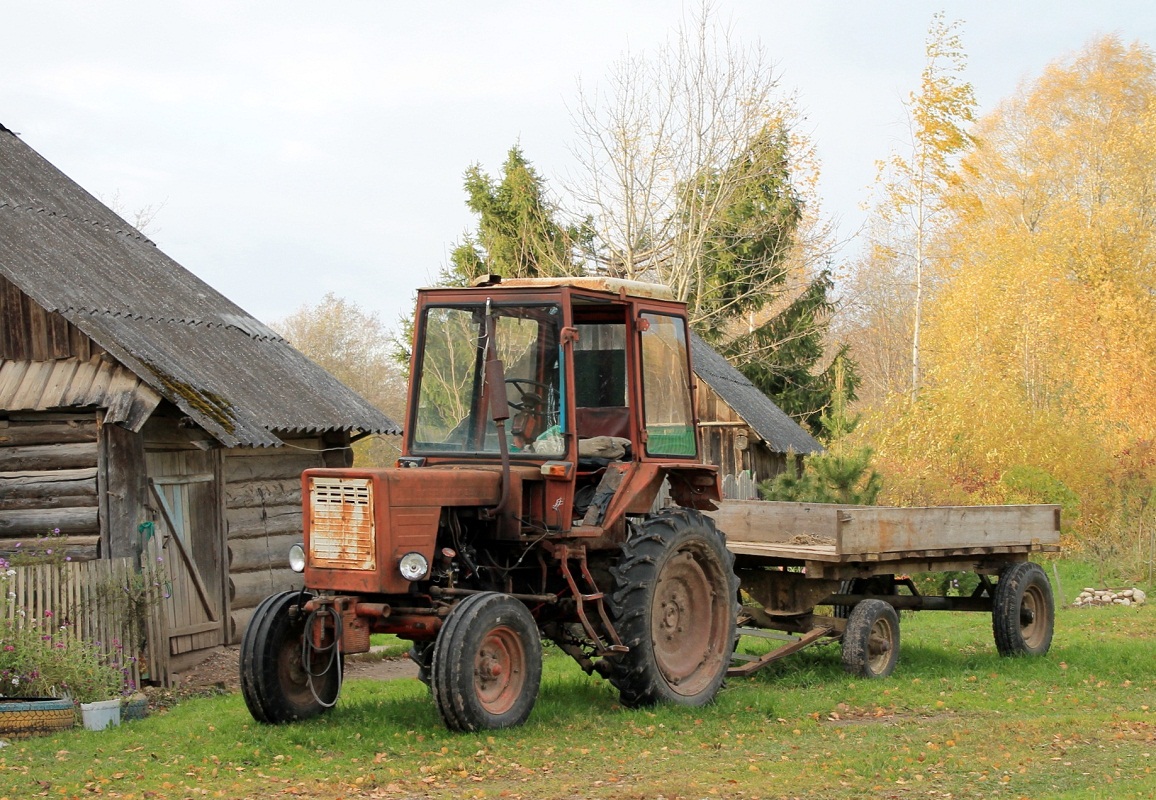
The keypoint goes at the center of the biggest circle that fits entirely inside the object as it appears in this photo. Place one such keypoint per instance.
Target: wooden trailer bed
(835, 534)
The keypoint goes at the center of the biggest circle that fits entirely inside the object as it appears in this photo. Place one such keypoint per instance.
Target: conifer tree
(841, 474)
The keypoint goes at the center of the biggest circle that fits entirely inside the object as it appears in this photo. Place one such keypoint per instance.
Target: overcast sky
(301, 148)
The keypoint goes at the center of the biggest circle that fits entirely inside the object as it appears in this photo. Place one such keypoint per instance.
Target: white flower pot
(100, 714)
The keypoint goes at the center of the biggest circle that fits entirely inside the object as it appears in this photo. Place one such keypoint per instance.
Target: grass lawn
(954, 721)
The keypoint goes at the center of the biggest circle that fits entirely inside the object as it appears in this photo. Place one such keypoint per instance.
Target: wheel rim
(499, 670)
(1033, 617)
(880, 645)
(291, 672)
(688, 622)
(295, 678)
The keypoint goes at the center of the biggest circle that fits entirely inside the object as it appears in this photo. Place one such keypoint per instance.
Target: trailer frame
(795, 558)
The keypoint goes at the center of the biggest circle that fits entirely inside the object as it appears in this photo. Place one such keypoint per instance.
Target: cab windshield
(452, 410)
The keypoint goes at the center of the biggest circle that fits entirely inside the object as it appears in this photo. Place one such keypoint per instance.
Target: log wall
(48, 480)
(263, 520)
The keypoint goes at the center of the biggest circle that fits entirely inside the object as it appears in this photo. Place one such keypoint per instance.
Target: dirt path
(221, 670)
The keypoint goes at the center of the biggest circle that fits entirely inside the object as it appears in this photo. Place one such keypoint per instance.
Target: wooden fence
(111, 603)
(741, 487)
(734, 487)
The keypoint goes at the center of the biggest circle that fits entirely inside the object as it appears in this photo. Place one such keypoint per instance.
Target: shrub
(39, 658)
(42, 655)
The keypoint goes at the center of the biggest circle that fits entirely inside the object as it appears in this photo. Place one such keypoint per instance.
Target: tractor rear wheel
(487, 664)
(675, 606)
(283, 680)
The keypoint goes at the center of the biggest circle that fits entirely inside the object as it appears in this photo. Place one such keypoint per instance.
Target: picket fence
(105, 602)
(742, 486)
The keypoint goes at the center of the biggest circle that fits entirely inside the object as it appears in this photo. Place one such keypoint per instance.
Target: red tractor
(544, 417)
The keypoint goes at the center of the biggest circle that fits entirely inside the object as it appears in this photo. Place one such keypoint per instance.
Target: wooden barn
(140, 408)
(740, 428)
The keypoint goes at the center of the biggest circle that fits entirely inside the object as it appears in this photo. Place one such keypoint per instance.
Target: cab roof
(595, 283)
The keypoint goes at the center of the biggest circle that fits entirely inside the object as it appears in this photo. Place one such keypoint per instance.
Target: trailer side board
(819, 531)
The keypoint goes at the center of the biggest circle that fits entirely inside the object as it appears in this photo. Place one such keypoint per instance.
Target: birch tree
(1041, 337)
(693, 174)
(912, 184)
(672, 145)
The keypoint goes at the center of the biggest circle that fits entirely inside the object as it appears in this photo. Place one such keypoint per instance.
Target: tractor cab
(556, 383)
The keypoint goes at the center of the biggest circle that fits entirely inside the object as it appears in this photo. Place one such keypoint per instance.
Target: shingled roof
(239, 380)
(766, 419)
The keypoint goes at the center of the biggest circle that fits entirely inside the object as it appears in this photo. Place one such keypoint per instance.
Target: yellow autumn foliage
(1040, 332)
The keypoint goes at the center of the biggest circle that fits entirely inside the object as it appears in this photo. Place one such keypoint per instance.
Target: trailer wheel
(487, 664)
(878, 584)
(675, 606)
(279, 680)
(1023, 612)
(871, 640)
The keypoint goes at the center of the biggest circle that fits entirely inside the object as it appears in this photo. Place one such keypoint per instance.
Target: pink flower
(48, 613)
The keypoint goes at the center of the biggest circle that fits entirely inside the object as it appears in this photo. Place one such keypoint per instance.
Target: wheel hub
(498, 674)
(685, 620)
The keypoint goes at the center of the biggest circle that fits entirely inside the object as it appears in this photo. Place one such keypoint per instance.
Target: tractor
(544, 419)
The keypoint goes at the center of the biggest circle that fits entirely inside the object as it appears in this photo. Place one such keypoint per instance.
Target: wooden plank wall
(48, 480)
(87, 599)
(732, 446)
(28, 332)
(866, 531)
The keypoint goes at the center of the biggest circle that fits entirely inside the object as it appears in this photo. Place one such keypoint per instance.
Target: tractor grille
(342, 535)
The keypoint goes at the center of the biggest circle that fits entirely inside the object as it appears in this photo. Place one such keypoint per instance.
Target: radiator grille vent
(342, 534)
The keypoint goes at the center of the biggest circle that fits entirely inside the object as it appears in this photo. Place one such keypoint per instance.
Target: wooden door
(185, 489)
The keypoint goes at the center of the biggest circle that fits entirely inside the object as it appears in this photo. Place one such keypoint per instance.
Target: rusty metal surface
(785, 592)
(794, 646)
(370, 518)
(342, 534)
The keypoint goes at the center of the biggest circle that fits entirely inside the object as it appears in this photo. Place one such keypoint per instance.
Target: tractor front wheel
(675, 606)
(487, 664)
(282, 678)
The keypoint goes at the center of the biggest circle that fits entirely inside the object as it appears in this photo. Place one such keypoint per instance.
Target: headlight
(297, 558)
(413, 566)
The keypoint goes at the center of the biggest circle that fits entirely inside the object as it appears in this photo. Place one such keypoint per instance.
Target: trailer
(811, 572)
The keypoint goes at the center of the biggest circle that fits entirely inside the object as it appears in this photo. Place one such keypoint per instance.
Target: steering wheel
(528, 402)
(530, 420)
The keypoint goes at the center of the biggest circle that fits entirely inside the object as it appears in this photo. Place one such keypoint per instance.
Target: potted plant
(93, 683)
(45, 668)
